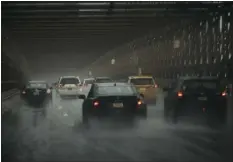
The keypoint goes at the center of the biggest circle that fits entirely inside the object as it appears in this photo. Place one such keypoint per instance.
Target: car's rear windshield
(115, 90)
(103, 80)
(142, 81)
(37, 85)
(197, 84)
(89, 81)
(69, 81)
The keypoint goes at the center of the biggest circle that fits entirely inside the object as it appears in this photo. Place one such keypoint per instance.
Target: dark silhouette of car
(119, 101)
(36, 92)
(196, 97)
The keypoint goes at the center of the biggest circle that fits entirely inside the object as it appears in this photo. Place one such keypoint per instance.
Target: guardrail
(8, 94)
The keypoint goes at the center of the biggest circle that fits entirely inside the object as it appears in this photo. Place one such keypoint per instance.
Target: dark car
(103, 80)
(113, 101)
(196, 97)
(36, 92)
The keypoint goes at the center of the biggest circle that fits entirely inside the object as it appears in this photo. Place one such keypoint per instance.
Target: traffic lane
(153, 132)
(53, 138)
(154, 139)
(23, 119)
(66, 111)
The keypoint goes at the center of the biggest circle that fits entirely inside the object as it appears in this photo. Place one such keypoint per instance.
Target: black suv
(196, 96)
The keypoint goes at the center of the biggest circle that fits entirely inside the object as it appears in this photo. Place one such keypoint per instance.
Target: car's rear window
(196, 84)
(69, 81)
(115, 90)
(37, 85)
(142, 81)
(103, 80)
(88, 81)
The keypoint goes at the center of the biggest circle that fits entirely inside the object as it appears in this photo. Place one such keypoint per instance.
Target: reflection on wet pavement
(54, 133)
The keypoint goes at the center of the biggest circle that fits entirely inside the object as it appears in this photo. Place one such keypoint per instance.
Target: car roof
(89, 79)
(110, 84)
(197, 77)
(37, 81)
(69, 77)
(140, 76)
(102, 78)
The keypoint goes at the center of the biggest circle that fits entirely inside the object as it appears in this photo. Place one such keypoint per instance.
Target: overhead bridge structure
(164, 39)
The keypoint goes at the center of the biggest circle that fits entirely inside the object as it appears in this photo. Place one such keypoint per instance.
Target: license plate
(69, 88)
(35, 93)
(202, 98)
(118, 105)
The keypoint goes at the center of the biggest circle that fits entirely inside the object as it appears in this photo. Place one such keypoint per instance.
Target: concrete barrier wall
(14, 66)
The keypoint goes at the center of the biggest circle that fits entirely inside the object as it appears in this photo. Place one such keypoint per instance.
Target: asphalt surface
(54, 133)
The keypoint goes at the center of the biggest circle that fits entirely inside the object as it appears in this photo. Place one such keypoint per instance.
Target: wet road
(53, 133)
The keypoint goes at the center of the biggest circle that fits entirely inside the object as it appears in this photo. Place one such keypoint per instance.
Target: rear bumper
(140, 112)
(210, 109)
(66, 92)
(35, 100)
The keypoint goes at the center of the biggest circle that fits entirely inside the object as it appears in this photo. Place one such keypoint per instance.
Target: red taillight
(180, 94)
(156, 86)
(96, 103)
(224, 94)
(139, 103)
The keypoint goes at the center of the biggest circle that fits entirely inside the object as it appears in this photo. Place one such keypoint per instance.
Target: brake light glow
(139, 102)
(224, 93)
(96, 103)
(180, 94)
(156, 86)
(23, 92)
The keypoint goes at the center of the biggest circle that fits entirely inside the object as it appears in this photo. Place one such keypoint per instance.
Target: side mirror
(141, 95)
(82, 96)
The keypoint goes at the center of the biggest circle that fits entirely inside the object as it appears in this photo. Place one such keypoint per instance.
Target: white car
(69, 86)
(87, 84)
